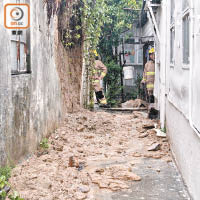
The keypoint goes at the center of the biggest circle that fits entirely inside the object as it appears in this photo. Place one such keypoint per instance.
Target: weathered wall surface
(32, 105)
(185, 147)
(174, 91)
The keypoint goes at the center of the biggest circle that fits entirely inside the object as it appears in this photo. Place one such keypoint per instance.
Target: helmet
(152, 50)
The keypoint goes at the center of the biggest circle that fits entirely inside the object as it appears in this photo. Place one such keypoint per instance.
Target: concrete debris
(143, 135)
(90, 152)
(160, 133)
(80, 129)
(148, 126)
(84, 189)
(138, 103)
(113, 177)
(154, 147)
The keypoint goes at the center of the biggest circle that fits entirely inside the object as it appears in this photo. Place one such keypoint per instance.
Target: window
(20, 49)
(172, 43)
(186, 38)
(185, 4)
(172, 33)
(172, 11)
(140, 54)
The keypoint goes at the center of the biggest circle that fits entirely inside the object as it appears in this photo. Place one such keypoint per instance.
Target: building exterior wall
(32, 104)
(185, 145)
(177, 89)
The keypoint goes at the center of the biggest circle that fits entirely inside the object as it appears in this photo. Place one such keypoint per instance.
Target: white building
(176, 25)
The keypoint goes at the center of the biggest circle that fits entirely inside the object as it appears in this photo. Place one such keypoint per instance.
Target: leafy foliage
(112, 79)
(98, 24)
(15, 196)
(121, 15)
(103, 23)
(3, 183)
(5, 172)
(44, 143)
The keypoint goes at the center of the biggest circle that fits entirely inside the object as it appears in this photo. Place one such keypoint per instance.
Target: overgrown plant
(3, 184)
(44, 143)
(15, 196)
(113, 82)
(5, 172)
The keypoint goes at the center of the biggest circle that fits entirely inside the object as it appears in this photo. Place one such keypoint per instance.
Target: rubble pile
(137, 103)
(90, 153)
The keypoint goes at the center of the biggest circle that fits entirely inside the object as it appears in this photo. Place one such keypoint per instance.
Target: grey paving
(160, 181)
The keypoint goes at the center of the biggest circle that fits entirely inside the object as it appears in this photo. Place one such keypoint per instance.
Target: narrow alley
(99, 100)
(101, 156)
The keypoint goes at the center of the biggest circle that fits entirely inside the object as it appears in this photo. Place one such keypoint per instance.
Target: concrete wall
(32, 105)
(185, 145)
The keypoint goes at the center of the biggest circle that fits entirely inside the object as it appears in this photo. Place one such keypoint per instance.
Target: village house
(177, 86)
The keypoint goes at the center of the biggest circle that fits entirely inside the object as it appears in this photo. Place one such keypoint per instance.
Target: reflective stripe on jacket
(149, 75)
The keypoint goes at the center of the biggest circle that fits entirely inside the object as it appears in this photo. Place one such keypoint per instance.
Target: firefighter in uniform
(100, 71)
(149, 76)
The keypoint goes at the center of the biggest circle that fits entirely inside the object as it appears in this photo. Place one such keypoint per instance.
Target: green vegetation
(44, 143)
(5, 172)
(3, 183)
(99, 24)
(15, 196)
(112, 79)
(103, 23)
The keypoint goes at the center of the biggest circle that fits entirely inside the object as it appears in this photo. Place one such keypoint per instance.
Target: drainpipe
(192, 36)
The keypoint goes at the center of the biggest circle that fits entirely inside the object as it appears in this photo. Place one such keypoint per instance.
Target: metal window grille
(20, 48)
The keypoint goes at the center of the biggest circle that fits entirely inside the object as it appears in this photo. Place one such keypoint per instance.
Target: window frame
(186, 13)
(26, 42)
(172, 29)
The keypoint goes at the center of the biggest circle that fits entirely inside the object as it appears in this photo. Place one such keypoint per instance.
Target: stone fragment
(80, 196)
(58, 148)
(143, 135)
(136, 154)
(137, 103)
(71, 162)
(154, 147)
(80, 128)
(84, 189)
(148, 126)
(160, 133)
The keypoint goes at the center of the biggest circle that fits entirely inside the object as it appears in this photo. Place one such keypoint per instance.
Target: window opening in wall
(185, 4)
(172, 43)
(172, 33)
(20, 49)
(186, 38)
(172, 11)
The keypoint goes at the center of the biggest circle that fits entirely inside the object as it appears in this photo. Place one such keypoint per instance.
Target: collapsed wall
(33, 103)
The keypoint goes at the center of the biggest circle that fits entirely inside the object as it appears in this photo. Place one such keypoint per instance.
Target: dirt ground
(92, 152)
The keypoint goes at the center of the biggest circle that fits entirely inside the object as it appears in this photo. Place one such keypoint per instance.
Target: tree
(120, 17)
